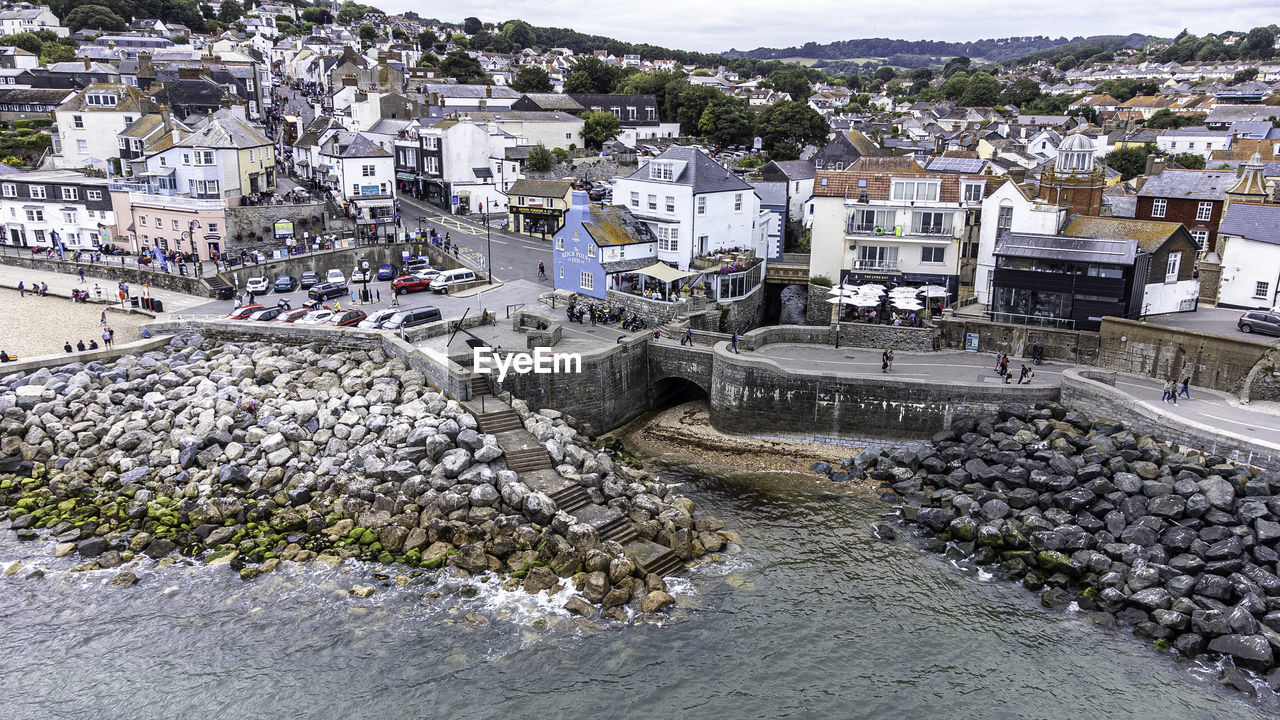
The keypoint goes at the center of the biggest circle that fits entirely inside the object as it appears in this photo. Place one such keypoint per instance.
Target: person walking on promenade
(733, 342)
(44, 289)
(1024, 376)
(687, 337)
(999, 357)
(1185, 391)
(884, 361)
(22, 289)
(542, 270)
(102, 319)
(1004, 365)
(1168, 390)
(111, 337)
(81, 276)
(889, 353)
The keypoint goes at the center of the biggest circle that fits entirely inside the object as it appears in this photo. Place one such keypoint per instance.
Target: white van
(452, 279)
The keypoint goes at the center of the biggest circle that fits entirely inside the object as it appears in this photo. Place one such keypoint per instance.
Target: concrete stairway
(654, 558)
(571, 498)
(528, 460)
(480, 385)
(499, 420)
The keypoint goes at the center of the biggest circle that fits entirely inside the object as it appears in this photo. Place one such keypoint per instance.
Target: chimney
(87, 63)
(488, 91)
(1155, 165)
(166, 119)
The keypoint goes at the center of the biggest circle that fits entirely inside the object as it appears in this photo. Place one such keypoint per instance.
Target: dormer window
(100, 100)
(661, 170)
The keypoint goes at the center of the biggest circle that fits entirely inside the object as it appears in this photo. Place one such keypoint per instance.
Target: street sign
(971, 342)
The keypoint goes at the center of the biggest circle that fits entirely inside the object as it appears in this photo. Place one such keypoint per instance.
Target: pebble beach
(42, 325)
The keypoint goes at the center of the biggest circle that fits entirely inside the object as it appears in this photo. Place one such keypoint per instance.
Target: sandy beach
(42, 325)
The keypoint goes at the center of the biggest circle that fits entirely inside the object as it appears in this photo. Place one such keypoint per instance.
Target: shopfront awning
(665, 273)
(406, 176)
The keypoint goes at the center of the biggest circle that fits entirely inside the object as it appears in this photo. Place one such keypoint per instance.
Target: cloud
(718, 25)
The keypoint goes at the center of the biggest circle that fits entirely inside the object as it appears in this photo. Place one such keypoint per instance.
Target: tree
(657, 84)
(1259, 44)
(181, 40)
(1129, 161)
(519, 34)
(591, 75)
(983, 90)
(531, 79)
(230, 11)
(367, 33)
(1189, 160)
(791, 80)
(462, 67)
(1066, 62)
(317, 15)
(1020, 92)
(727, 121)
(471, 26)
(1244, 75)
(685, 104)
(955, 86)
(95, 17)
(1163, 119)
(885, 73)
(786, 127)
(955, 65)
(540, 159)
(599, 127)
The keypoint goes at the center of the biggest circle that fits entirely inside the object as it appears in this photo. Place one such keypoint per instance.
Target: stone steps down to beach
(250, 454)
(1179, 546)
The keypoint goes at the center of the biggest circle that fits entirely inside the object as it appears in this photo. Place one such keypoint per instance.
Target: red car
(409, 283)
(344, 318)
(244, 311)
(289, 316)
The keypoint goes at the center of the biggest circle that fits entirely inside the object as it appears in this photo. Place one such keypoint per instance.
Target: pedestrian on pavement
(111, 337)
(687, 337)
(22, 289)
(81, 276)
(884, 361)
(1004, 365)
(733, 343)
(102, 319)
(1186, 388)
(250, 298)
(999, 357)
(542, 270)
(238, 301)
(67, 347)
(44, 289)
(1168, 390)
(1024, 376)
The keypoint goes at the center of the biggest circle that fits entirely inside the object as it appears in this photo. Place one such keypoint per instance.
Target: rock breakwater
(1179, 546)
(252, 454)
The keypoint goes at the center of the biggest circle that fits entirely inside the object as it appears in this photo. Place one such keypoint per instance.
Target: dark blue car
(386, 272)
(285, 283)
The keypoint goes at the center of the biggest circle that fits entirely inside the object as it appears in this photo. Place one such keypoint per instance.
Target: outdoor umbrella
(863, 300)
(870, 287)
(906, 304)
(934, 291)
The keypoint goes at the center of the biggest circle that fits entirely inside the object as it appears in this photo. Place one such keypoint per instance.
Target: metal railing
(514, 308)
(1036, 320)
(175, 201)
(878, 265)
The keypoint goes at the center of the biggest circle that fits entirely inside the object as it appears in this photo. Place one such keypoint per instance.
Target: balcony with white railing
(175, 202)
(875, 265)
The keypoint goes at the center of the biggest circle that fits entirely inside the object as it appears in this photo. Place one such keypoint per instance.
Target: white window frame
(1159, 207)
(653, 202)
(591, 250)
(737, 202)
(586, 281)
(35, 215)
(931, 250)
(702, 204)
(367, 170)
(635, 199)
(70, 193)
(38, 192)
(668, 238)
(93, 195)
(917, 190)
(559, 243)
(671, 203)
(1201, 238)
(973, 192)
(10, 190)
(1262, 289)
(1172, 266)
(1204, 211)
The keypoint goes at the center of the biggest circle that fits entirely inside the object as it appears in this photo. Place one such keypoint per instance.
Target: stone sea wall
(1178, 546)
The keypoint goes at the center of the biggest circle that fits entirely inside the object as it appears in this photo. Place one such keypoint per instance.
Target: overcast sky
(718, 25)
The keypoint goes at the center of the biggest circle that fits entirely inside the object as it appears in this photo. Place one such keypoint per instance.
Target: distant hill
(993, 50)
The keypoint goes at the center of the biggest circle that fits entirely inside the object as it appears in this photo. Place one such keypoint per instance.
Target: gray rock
(1250, 650)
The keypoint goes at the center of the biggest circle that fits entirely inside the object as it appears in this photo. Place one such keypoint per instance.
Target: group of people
(1002, 369)
(1172, 390)
(108, 341)
(896, 318)
(37, 289)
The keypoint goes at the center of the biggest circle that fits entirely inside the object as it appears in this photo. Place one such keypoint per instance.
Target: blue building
(599, 245)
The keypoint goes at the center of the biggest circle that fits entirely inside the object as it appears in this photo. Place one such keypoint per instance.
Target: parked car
(410, 283)
(452, 279)
(294, 315)
(256, 285)
(285, 283)
(374, 321)
(335, 276)
(358, 275)
(244, 311)
(344, 318)
(405, 319)
(386, 272)
(326, 290)
(309, 278)
(1260, 321)
(429, 273)
(266, 314)
(314, 317)
(414, 265)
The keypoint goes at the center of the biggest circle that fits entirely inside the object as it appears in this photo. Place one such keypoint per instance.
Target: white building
(1250, 240)
(25, 18)
(1196, 140)
(88, 123)
(1008, 208)
(887, 221)
(365, 177)
(694, 206)
(468, 162)
(56, 207)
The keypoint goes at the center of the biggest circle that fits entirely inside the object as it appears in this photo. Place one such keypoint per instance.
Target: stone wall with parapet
(1070, 346)
(129, 273)
(1093, 392)
(862, 335)
(1161, 352)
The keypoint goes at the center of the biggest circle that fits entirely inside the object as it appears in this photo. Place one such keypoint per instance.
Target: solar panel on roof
(957, 165)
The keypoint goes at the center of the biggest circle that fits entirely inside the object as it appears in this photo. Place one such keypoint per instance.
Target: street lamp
(488, 242)
(364, 273)
(191, 238)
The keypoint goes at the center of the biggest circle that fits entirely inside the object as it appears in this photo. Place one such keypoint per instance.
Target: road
(515, 256)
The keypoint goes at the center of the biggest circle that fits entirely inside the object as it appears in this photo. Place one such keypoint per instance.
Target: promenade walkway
(1260, 421)
(61, 284)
